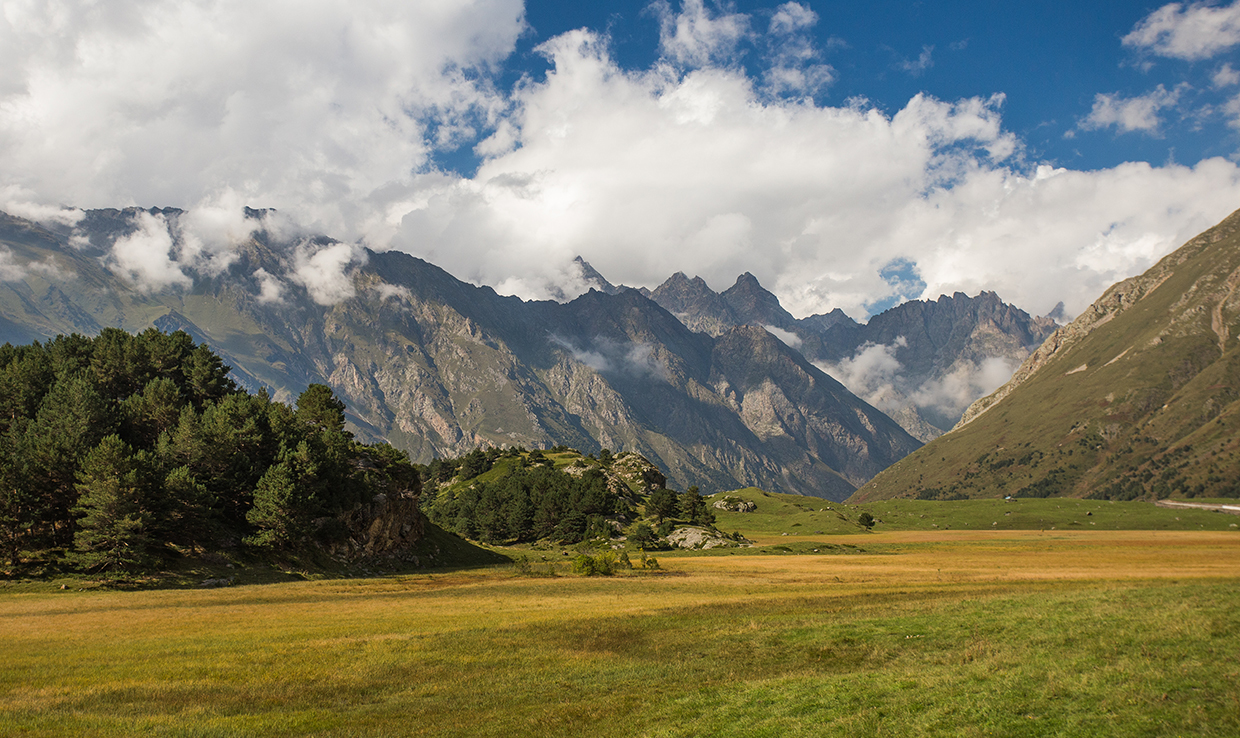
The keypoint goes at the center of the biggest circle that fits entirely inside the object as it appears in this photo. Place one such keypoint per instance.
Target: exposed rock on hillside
(922, 362)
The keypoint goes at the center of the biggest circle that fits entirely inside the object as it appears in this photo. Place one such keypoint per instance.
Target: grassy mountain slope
(1136, 398)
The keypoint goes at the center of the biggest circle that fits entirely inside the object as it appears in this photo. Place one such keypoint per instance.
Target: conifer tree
(112, 487)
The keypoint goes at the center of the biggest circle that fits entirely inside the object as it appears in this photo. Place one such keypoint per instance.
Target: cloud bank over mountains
(333, 113)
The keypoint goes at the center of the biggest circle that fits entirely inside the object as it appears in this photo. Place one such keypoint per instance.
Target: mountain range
(720, 390)
(1138, 397)
(921, 362)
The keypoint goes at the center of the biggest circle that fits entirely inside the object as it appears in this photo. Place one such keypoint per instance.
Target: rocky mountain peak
(593, 278)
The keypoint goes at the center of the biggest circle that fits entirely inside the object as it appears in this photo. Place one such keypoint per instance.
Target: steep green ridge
(439, 367)
(1135, 399)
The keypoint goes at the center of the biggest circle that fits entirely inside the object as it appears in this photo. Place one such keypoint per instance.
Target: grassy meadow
(919, 632)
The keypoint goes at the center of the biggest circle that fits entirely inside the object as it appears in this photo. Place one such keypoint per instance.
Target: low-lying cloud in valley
(875, 375)
(334, 114)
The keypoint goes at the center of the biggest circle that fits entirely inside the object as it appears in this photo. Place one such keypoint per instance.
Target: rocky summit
(922, 362)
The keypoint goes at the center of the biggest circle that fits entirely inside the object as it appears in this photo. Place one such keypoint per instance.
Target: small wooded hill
(1138, 398)
(121, 451)
(511, 496)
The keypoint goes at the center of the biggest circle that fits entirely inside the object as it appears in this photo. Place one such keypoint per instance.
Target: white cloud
(270, 288)
(1232, 109)
(649, 173)
(211, 231)
(393, 292)
(22, 203)
(793, 63)
(875, 375)
(323, 269)
(10, 270)
(1225, 76)
(329, 112)
(917, 67)
(604, 355)
(1130, 114)
(872, 374)
(320, 107)
(948, 396)
(1193, 32)
(788, 337)
(144, 257)
(696, 36)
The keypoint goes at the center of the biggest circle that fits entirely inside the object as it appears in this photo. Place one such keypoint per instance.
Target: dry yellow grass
(488, 653)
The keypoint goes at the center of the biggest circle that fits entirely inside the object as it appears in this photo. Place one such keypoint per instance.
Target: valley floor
(957, 633)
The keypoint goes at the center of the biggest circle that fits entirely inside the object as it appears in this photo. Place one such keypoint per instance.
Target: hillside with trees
(558, 496)
(120, 452)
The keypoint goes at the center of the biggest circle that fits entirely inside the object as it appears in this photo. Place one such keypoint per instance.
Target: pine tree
(112, 487)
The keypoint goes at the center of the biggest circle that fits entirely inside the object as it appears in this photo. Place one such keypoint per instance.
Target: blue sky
(850, 155)
(1050, 59)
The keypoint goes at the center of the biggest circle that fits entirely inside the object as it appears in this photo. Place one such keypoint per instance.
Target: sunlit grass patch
(971, 634)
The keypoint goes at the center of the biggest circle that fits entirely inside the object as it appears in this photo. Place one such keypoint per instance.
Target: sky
(849, 155)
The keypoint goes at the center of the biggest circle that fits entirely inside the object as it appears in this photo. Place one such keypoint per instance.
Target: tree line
(120, 450)
(532, 500)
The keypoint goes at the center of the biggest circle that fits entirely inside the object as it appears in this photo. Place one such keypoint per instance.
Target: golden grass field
(925, 633)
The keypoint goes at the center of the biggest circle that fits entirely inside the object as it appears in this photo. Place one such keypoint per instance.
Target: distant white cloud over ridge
(332, 112)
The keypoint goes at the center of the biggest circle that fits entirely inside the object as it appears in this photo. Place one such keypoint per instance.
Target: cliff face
(922, 362)
(439, 367)
(1136, 398)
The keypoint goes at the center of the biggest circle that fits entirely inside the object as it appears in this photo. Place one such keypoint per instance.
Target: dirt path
(1230, 509)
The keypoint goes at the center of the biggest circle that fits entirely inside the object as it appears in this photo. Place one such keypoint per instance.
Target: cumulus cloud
(392, 292)
(324, 270)
(872, 374)
(1138, 113)
(331, 111)
(321, 107)
(875, 374)
(948, 396)
(1232, 109)
(1191, 32)
(794, 65)
(652, 172)
(10, 270)
(270, 288)
(697, 36)
(144, 257)
(1225, 76)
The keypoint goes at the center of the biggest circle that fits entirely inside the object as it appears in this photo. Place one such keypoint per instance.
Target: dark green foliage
(865, 520)
(694, 510)
(115, 493)
(114, 448)
(643, 536)
(529, 503)
(318, 406)
(662, 504)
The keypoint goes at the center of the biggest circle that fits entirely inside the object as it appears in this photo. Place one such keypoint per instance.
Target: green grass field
(956, 633)
(779, 514)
